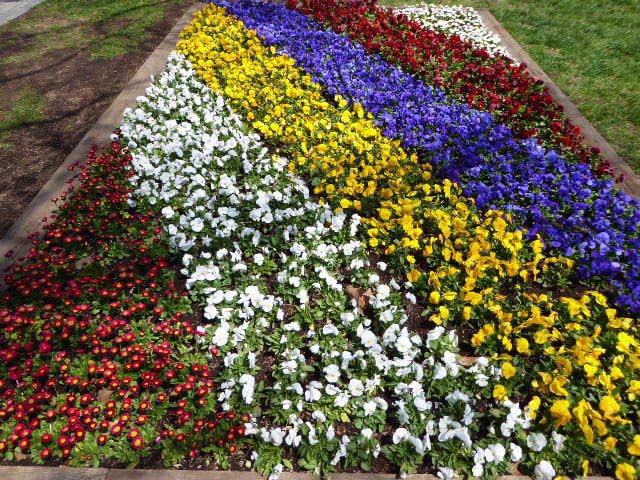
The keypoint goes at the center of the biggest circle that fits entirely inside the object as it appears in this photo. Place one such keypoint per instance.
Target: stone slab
(52, 473)
(41, 207)
(122, 474)
(10, 9)
(631, 183)
(68, 473)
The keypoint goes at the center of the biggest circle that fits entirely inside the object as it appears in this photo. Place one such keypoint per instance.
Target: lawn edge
(631, 183)
(39, 211)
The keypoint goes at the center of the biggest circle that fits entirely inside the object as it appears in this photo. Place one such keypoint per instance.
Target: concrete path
(10, 9)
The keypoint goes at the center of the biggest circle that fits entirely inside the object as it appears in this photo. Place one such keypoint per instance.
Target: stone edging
(69, 473)
(41, 207)
(631, 184)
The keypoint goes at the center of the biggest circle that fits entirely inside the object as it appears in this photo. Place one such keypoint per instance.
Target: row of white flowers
(465, 22)
(314, 343)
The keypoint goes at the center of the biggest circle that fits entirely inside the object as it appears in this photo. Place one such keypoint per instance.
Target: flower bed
(464, 22)
(473, 76)
(263, 278)
(436, 233)
(276, 272)
(599, 224)
(99, 348)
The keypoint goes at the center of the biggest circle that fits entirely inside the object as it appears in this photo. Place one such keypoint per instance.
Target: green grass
(29, 109)
(591, 50)
(104, 28)
(5, 145)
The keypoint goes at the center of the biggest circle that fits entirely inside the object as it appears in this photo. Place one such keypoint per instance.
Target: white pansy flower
(332, 373)
(248, 383)
(319, 415)
(341, 399)
(400, 435)
(544, 471)
(368, 338)
(356, 387)
(369, 408)
(366, 433)
(403, 344)
(558, 441)
(536, 441)
(516, 452)
(446, 473)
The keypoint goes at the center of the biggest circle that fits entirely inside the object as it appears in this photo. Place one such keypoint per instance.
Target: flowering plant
(599, 225)
(472, 75)
(100, 354)
(315, 345)
(457, 259)
(458, 20)
(254, 269)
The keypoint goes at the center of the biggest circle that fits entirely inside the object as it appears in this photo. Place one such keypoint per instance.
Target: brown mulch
(77, 91)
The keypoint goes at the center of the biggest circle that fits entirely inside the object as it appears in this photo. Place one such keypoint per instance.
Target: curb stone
(592, 137)
(41, 207)
(70, 473)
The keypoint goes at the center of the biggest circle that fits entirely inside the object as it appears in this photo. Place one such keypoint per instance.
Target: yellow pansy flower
(508, 370)
(414, 275)
(609, 443)
(499, 392)
(608, 406)
(434, 297)
(634, 448)
(625, 471)
(522, 346)
(560, 411)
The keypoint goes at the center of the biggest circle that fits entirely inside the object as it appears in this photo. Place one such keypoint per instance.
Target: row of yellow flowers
(572, 356)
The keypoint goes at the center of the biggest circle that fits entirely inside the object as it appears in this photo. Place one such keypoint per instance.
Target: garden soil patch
(77, 90)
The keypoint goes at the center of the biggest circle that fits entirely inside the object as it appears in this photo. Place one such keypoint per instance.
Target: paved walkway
(10, 9)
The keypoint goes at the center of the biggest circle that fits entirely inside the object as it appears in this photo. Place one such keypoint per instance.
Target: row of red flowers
(471, 75)
(100, 359)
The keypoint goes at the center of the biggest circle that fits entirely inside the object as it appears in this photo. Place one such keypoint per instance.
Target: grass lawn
(106, 29)
(591, 50)
(61, 66)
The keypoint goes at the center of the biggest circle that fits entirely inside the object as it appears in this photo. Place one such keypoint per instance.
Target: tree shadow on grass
(53, 120)
(57, 63)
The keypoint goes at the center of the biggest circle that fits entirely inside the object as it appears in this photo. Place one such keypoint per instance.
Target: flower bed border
(17, 238)
(592, 137)
(69, 473)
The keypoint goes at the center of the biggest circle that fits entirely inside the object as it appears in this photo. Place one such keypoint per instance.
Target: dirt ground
(76, 90)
